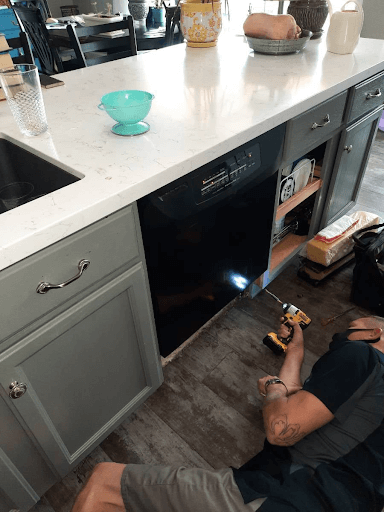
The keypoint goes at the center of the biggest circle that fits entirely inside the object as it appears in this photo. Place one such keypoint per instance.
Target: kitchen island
(70, 353)
(207, 102)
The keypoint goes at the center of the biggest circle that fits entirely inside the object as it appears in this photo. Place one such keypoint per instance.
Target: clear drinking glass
(21, 85)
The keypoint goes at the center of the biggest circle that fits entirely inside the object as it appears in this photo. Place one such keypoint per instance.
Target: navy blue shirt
(340, 466)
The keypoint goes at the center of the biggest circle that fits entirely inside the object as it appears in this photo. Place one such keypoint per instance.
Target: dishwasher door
(203, 248)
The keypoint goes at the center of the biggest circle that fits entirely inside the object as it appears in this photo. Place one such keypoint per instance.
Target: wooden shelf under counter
(298, 198)
(288, 245)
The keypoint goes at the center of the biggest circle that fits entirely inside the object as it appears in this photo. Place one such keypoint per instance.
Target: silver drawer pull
(375, 94)
(17, 390)
(45, 287)
(326, 120)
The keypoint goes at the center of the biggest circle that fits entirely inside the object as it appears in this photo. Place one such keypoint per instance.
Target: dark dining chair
(42, 5)
(92, 47)
(172, 16)
(51, 59)
(23, 46)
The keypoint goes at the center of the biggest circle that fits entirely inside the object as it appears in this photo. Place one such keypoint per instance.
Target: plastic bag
(368, 273)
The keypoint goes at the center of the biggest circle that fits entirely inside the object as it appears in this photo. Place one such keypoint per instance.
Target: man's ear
(376, 332)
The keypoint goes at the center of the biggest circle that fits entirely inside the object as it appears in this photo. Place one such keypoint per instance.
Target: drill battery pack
(272, 341)
(278, 346)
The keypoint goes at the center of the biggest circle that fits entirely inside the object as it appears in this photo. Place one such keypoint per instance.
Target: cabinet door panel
(108, 245)
(18, 448)
(351, 161)
(86, 370)
(15, 490)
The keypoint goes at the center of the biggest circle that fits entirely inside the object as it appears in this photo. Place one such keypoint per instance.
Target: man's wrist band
(275, 381)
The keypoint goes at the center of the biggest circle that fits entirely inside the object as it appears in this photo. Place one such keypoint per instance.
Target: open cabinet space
(293, 216)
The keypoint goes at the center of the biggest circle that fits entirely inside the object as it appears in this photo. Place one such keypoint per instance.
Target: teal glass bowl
(128, 108)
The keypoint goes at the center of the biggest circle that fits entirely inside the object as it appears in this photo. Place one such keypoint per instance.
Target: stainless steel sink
(19, 165)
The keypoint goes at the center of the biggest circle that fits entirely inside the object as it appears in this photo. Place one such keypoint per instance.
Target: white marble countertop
(207, 102)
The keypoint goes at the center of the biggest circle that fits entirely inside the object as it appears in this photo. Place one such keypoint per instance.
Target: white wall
(373, 19)
(54, 5)
(84, 6)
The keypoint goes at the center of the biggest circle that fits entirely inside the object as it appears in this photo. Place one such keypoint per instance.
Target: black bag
(368, 274)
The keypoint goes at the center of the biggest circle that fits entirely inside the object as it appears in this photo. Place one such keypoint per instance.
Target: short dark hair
(375, 321)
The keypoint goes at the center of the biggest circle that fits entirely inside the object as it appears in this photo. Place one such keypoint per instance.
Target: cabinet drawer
(366, 96)
(108, 245)
(314, 126)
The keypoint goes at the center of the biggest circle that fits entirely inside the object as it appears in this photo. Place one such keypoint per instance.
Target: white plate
(301, 173)
(287, 188)
(94, 19)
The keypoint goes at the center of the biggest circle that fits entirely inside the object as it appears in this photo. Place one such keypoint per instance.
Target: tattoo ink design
(286, 432)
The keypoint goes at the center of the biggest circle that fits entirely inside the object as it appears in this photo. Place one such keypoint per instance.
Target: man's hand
(297, 342)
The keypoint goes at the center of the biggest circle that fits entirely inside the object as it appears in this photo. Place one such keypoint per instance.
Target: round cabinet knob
(17, 390)
(348, 149)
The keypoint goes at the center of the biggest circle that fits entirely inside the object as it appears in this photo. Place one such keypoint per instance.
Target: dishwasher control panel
(221, 179)
(235, 168)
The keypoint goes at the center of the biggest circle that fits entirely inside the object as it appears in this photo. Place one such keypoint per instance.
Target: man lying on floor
(324, 450)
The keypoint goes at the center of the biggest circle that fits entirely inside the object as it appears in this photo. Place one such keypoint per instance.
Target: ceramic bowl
(279, 46)
(128, 108)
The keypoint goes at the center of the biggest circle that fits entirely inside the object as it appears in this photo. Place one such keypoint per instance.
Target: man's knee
(101, 470)
(102, 489)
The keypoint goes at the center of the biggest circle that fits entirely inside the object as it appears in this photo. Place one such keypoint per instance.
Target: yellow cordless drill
(291, 312)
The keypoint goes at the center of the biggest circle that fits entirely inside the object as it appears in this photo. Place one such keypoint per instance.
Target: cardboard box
(328, 253)
(5, 60)
(4, 46)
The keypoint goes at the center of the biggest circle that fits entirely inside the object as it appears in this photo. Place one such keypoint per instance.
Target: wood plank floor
(207, 412)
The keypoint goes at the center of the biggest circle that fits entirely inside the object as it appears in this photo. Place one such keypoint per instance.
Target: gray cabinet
(366, 97)
(313, 127)
(350, 164)
(338, 135)
(363, 111)
(85, 360)
(24, 475)
(14, 488)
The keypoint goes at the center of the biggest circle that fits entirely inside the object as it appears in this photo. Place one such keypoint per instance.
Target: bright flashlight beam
(240, 281)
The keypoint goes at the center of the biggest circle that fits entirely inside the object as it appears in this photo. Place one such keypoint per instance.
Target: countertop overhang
(207, 102)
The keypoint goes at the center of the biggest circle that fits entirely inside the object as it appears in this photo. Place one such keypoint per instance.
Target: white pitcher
(344, 28)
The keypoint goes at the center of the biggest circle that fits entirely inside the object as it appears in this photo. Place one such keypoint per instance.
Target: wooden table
(152, 37)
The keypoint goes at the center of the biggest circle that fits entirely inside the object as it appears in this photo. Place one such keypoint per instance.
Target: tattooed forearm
(286, 433)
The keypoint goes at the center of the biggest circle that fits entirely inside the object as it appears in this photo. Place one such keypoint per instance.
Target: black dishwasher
(207, 235)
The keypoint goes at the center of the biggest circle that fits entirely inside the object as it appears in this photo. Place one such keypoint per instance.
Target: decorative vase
(201, 23)
(344, 28)
(120, 6)
(158, 16)
(309, 15)
(138, 9)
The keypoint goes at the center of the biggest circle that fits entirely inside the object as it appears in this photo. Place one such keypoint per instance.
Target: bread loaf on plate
(271, 26)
